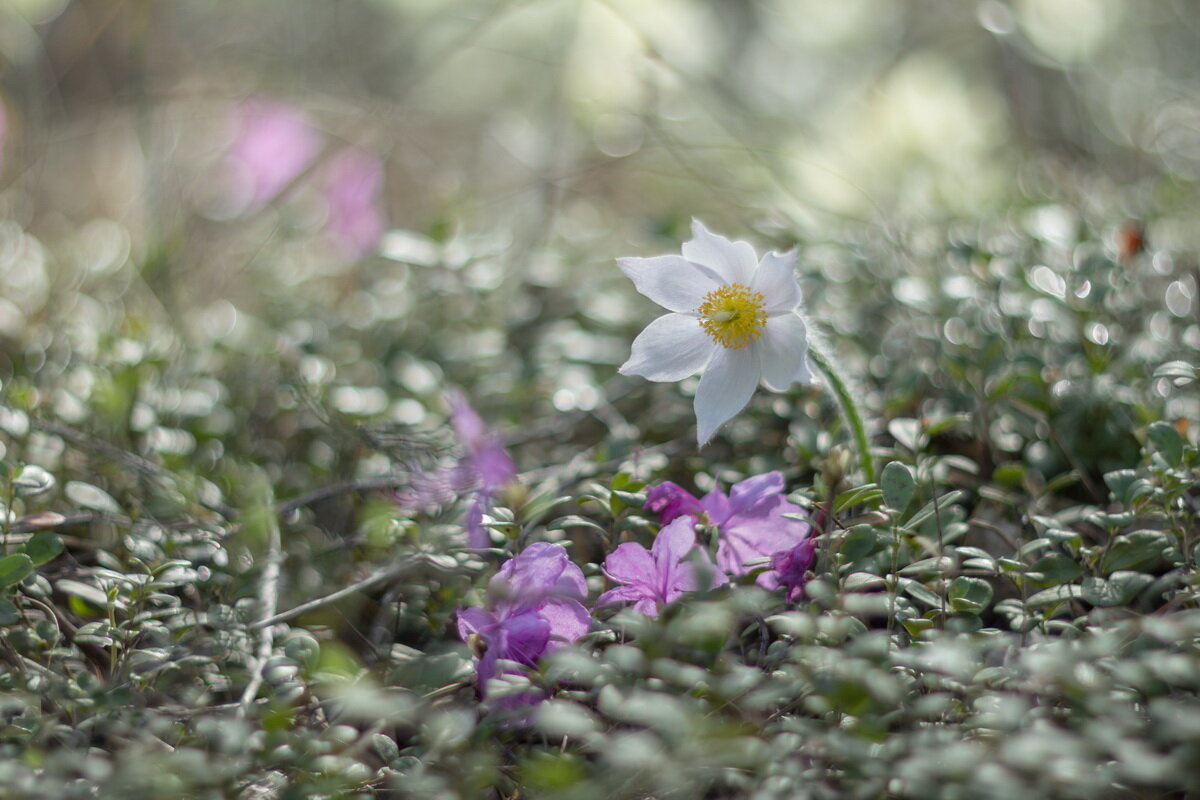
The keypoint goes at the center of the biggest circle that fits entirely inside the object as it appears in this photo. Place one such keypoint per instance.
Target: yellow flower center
(733, 315)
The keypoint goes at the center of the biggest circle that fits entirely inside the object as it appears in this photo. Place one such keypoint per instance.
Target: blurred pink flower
(275, 143)
(484, 468)
(751, 523)
(650, 579)
(485, 463)
(352, 186)
(791, 567)
(533, 607)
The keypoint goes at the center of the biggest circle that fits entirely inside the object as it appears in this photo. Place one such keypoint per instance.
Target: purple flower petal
(670, 500)
(791, 567)
(468, 425)
(474, 621)
(534, 609)
(716, 504)
(698, 573)
(660, 575)
(568, 620)
(673, 542)
(750, 492)
(620, 594)
(494, 466)
(534, 575)
(647, 606)
(352, 189)
(632, 564)
(749, 539)
(477, 532)
(523, 638)
(274, 144)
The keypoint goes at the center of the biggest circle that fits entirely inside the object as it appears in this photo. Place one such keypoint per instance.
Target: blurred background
(375, 198)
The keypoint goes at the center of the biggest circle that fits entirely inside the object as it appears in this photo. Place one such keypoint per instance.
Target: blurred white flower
(733, 316)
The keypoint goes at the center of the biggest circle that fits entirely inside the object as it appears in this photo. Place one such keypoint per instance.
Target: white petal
(776, 280)
(728, 382)
(734, 262)
(783, 352)
(671, 281)
(671, 348)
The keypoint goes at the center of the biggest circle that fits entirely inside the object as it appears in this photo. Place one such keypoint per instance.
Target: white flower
(733, 316)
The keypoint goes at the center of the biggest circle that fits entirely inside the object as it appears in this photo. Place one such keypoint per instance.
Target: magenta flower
(534, 607)
(483, 469)
(274, 144)
(791, 567)
(752, 528)
(652, 578)
(352, 186)
(485, 464)
(670, 500)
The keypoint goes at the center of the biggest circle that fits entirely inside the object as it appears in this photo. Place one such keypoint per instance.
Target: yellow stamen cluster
(733, 315)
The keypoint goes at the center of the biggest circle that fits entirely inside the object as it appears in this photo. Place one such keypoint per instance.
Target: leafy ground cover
(294, 507)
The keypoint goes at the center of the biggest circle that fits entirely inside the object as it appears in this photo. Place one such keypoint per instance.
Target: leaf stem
(849, 410)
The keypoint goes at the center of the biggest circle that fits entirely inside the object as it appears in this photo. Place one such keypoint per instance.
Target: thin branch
(362, 485)
(387, 573)
(268, 597)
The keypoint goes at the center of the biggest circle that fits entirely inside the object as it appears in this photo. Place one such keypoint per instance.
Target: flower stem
(849, 410)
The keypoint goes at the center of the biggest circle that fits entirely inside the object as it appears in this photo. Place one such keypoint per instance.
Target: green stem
(849, 410)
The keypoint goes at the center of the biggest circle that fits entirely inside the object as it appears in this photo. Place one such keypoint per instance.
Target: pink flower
(483, 469)
(485, 462)
(274, 144)
(750, 520)
(352, 186)
(652, 578)
(671, 500)
(534, 608)
(791, 567)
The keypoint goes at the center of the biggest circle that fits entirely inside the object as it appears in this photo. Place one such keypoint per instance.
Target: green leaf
(918, 592)
(949, 423)
(1136, 549)
(969, 595)
(1181, 373)
(1120, 589)
(385, 748)
(1126, 486)
(8, 612)
(574, 521)
(861, 541)
(85, 495)
(635, 499)
(898, 485)
(941, 503)
(1130, 584)
(1054, 596)
(1011, 475)
(1167, 442)
(1055, 569)
(916, 625)
(907, 432)
(14, 569)
(866, 494)
(32, 480)
(860, 581)
(44, 546)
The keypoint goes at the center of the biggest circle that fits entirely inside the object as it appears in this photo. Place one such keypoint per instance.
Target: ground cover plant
(585, 400)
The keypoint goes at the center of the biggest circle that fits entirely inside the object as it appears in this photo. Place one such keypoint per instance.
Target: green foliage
(219, 577)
